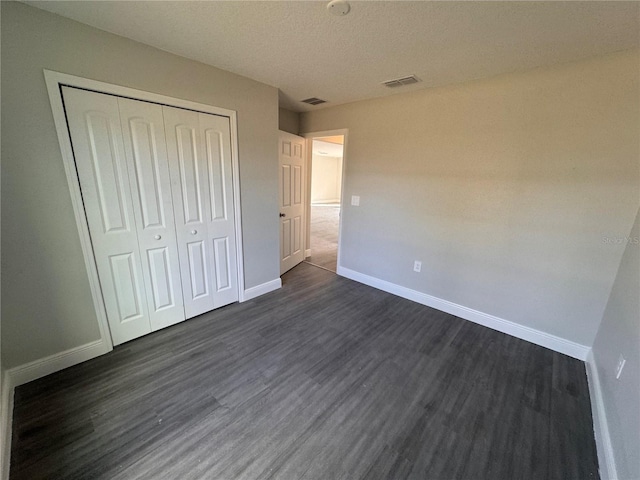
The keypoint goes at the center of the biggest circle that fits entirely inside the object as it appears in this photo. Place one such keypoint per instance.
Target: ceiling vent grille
(401, 82)
(313, 101)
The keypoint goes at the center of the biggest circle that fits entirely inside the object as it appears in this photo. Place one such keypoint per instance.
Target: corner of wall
(614, 397)
(263, 288)
(11, 378)
(54, 363)
(606, 460)
(288, 121)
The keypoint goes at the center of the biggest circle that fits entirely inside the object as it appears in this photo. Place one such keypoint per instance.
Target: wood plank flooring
(323, 379)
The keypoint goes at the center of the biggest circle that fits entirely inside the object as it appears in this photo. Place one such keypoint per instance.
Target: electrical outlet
(417, 266)
(355, 200)
(620, 366)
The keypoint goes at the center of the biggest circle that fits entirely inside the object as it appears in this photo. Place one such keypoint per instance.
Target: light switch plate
(355, 200)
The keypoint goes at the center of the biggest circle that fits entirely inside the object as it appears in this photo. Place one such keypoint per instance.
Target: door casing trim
(309, 137)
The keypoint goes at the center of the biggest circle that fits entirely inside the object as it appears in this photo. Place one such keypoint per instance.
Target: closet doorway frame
(54, 81)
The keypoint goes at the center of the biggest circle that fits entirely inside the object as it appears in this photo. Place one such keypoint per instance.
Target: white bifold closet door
(202, 189)
(145, 255)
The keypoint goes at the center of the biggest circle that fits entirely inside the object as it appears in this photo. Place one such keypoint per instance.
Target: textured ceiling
(306, 52)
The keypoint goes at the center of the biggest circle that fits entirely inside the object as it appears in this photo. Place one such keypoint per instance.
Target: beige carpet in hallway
(324, 236)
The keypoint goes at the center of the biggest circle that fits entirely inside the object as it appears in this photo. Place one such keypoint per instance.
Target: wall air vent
(313, 101)
(400, 82)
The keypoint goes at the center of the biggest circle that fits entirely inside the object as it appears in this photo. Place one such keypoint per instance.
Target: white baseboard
(54, 363)
(532, 335)
(307, 253)
(606, 460)
(261, 289)
(28, 372)
(6, 423)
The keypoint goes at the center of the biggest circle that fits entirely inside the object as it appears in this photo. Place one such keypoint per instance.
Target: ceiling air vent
(313, 101)
(400, 82)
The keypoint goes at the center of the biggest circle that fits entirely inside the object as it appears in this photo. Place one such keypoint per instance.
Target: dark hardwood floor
(323, 379)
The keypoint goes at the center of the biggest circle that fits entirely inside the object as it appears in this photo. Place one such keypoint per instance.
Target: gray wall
(326, 178)
(503, 188)
(619, 333)
(288, 121)
(47, 305)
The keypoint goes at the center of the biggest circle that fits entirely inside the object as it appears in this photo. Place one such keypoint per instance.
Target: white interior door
(146, 152)
(291, 175)
(200, 168)
(96, 134)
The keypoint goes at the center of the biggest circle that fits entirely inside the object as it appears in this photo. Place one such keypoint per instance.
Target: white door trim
(53, 81)
(327, 133)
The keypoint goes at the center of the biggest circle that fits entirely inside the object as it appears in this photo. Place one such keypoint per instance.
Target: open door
(324, 200)
(292, 157)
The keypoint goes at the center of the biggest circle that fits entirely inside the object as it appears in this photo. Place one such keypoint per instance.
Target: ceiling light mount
(339, 8)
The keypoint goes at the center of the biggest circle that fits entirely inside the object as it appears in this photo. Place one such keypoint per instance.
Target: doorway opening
(325, 198)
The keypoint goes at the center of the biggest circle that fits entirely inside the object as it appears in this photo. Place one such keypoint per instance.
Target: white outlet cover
(417, 266)
(355, 200)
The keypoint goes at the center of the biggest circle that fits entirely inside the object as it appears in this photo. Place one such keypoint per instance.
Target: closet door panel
(190, 189)
(96, 136)
(223, 264)
(165, 293)
(146, 153)
(127, 284)
(216, 133)
(199, 275)
(190, 173)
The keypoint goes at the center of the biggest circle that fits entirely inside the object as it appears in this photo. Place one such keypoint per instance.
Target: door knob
(193, 232)
(282, 215)
(158, 237)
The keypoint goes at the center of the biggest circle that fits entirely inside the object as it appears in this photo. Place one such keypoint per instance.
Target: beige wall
(326, 179)
(288, 121)
(47, 305)
(619, 334)
(503, 188)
